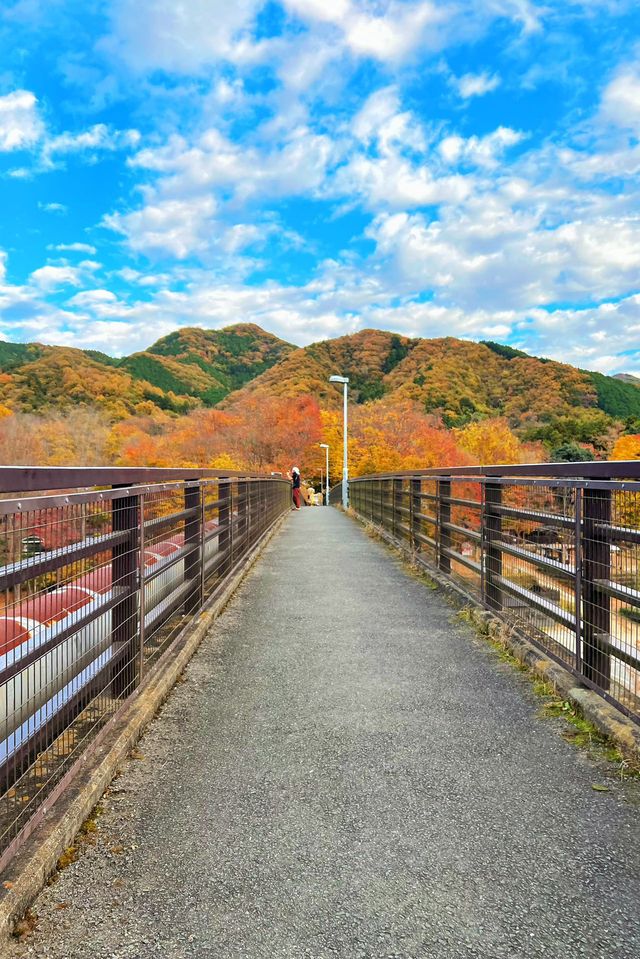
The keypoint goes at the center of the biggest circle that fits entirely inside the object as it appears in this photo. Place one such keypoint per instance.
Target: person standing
(295, 487)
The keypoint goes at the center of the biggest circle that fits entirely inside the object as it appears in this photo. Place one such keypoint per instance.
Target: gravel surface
(347, 771)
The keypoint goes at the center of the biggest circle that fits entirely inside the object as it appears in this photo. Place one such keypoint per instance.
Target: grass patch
(25, 926)
(496, 638)
(68, 857)
(86, 837)
(584, 735)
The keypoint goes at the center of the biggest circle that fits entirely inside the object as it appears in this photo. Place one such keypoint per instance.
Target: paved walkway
(346, 771)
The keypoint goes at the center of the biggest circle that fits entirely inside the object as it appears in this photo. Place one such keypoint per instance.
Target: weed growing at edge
(411, 564)
(580, 731)
(85, 837)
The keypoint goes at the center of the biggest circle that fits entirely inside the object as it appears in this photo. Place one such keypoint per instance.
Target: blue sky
(435, 167)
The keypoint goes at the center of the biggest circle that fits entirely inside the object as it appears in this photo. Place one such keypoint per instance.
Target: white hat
(294, 469)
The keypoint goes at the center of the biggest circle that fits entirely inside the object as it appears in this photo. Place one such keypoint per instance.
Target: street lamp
(345, 466)
(325, 446)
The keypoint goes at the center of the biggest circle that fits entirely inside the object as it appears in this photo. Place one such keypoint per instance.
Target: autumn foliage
(240, 398)
(627, 448)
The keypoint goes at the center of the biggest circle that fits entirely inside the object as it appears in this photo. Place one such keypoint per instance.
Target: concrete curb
(35, 862)
(624, 732)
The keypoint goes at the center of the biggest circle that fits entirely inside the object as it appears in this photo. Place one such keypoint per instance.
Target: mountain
(456, 380)
(628, 378)
(187, 368)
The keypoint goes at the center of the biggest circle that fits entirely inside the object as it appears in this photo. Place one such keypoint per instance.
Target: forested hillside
(242, 397)
(184, 370)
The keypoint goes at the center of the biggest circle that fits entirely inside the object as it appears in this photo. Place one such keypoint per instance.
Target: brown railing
(552, 549)
(97, 581)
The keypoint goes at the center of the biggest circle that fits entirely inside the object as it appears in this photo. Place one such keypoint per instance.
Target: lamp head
(338, 379)
(325, 446)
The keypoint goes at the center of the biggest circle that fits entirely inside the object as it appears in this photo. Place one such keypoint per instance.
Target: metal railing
(97, 581)
(335, 495)
(552, 549)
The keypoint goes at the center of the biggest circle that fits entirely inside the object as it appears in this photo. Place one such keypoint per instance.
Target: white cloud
(50, 278)
(98, 137)
(479, 151)
(20, 123)
(330, 11)
(392, 182)
(394, 34)
(101, 303)
(529, 14)
(74, 248)
(195, 181)
(188, 38)
(486, 251)
(621, 98)
(297, 165)
(21, 128)
(183, 37)
(381, 120)
(476, 84)
(307, 63)
(53, 207)
(175, 227)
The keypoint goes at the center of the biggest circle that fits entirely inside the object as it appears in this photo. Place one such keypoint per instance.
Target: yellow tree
(627, 508)
(627, 448)
(490, 442)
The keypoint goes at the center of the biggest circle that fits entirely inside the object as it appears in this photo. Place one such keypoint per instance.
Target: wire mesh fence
(556, 556)
(96, 583)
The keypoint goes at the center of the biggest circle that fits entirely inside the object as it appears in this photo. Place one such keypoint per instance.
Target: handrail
(600, 469)
(14, 479)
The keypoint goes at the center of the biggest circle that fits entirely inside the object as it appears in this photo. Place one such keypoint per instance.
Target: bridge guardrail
(553, 549)
(335, 495)
(99, 574)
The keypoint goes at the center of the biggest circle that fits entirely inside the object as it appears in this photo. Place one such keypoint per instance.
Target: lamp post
(345, 466)
(325, 447)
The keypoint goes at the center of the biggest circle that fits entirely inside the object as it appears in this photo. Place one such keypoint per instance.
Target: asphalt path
(348, 771)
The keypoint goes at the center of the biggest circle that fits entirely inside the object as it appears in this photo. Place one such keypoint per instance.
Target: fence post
(491, 554)
(444, 516)
(416, 509)
(596, 567)
(125, 577)
(142, 593)
(244, 524)
(397, 503)
(257, 507)
(577, 593)
(193, 540)
(225, 538)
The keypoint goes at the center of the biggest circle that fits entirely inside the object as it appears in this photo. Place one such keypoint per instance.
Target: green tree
(571, 453)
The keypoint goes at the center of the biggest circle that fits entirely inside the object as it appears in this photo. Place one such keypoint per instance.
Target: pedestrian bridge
(345, 768)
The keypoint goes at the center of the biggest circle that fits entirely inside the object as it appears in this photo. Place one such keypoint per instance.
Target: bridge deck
(346, 771)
